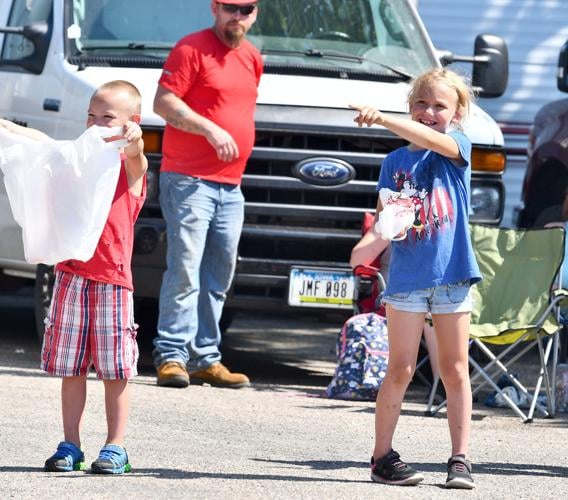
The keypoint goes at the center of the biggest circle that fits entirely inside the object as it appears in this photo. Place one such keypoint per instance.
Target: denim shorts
(443, 299)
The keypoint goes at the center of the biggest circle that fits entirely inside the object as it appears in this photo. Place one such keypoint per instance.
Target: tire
(549, 214)
(43, 292)
(226, 320)
(545, 195)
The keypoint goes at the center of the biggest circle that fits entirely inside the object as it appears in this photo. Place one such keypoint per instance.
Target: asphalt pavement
(278, 439)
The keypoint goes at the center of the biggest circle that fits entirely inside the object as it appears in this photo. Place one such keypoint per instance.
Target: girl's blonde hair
(449, 78)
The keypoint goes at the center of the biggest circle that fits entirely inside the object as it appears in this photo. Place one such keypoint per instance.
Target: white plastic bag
(397, 215)
(60, 192)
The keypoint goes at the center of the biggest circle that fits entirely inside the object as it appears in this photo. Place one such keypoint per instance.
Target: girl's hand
(367, 115)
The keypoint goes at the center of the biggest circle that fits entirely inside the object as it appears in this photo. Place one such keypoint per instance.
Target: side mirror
(490, 66)
(38, 34)
(562, 75)
(446, 57)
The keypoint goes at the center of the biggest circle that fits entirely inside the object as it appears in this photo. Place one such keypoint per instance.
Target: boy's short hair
(451, 79)
(130, 88)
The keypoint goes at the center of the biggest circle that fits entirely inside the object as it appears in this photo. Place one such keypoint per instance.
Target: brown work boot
(218, 375)
(172, 374)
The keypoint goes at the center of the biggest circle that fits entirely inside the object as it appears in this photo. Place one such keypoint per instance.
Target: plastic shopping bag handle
(111, 135)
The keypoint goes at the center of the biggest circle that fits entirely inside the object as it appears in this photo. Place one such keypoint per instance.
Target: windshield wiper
(335, 54)
(129, 46)
(351, 57)
(153, 45)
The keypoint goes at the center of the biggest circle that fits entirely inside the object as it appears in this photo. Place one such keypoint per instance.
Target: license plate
(321, 287)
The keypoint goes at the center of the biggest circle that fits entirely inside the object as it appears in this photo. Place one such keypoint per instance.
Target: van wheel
(549, 214)
(546, 195)
(226, 320)
(45, 277)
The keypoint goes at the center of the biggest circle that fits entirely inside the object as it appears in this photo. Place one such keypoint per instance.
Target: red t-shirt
(220, 84)
(111, 262)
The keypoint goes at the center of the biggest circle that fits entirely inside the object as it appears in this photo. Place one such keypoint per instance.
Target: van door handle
(51, 104)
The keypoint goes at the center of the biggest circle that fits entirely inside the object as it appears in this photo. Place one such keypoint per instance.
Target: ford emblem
(328, 172)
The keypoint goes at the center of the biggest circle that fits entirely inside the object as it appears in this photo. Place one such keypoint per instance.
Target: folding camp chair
(516, 309)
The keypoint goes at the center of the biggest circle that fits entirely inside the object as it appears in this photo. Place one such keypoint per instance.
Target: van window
(24, 12)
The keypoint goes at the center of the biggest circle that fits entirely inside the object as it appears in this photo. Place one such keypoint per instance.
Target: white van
(312, 174)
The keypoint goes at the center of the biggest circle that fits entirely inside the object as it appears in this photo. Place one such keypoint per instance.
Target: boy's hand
(5, 124)
(30, 133)
(132, 132)
(367, 115)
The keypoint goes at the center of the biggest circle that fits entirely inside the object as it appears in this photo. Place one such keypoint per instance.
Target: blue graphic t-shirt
(437, 249)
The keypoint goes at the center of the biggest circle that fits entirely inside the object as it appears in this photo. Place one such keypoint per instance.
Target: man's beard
(234, 36)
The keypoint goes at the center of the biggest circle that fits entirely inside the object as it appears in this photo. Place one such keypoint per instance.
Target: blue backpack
(362, 358)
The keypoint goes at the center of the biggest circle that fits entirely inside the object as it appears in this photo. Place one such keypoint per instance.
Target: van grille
(289, 222)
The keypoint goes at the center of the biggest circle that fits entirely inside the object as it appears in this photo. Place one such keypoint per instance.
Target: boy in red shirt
(90, 321)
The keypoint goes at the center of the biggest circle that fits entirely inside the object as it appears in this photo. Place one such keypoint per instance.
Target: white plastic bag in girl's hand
(397, 215)
(60, 192)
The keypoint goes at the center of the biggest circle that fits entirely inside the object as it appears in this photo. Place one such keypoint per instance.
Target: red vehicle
(545, 185)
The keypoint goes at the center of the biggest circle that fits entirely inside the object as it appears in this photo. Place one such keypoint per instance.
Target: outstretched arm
(179, 115)
(136, 163)
(30, 133)
(414, 132)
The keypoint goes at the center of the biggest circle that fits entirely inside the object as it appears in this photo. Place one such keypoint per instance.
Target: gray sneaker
(390, 469)
(459, 473)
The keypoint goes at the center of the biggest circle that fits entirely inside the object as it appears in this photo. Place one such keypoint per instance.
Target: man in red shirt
(207, 95)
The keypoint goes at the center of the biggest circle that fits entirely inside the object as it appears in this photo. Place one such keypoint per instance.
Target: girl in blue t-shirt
(432, 265)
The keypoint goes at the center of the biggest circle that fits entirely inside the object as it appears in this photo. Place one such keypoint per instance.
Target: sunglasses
(244, 10)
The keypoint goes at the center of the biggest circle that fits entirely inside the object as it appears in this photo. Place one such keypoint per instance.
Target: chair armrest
(560, 297)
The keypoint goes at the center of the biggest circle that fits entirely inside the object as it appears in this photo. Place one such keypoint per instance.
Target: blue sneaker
(112, 459)
(66, 459)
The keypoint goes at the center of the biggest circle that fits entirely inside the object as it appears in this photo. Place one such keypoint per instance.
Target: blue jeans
(204, 223)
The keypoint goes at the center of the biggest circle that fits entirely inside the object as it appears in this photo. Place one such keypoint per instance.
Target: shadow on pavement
(508, 469)
(186, 474)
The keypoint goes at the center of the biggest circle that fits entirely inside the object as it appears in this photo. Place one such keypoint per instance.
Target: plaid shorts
(90, 323)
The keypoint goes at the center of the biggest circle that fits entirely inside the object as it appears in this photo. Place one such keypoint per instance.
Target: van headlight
(486, 203)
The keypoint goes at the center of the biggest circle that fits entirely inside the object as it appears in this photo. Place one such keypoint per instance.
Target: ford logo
(328, 172)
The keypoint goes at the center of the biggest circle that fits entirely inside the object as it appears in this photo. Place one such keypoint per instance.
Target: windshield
(95, 25)
(376, 36)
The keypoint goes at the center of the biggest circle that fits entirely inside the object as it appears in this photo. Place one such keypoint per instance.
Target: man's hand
(223, 143)
(367, 115)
